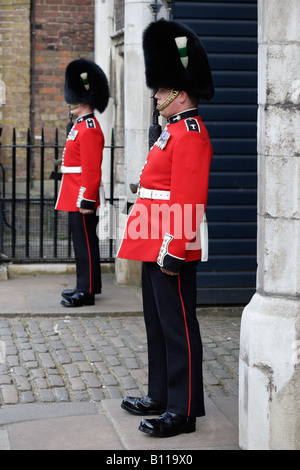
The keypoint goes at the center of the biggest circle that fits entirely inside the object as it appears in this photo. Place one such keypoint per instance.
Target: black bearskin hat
(86, 83)
(179, 63)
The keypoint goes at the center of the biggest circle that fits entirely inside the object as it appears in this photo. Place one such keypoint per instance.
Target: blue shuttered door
(228, 31)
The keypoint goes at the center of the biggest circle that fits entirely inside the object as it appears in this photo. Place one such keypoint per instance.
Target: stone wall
(269, 375)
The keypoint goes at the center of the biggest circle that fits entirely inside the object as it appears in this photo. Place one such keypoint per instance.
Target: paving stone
(84, 366)
(97, 394)
(22, 383)
(128, 383)
(84, 359)
(11, 350)
(56, 381)
(12, 361)
(20, 371)
(5, 380)
(10, 394)
(61, 394)
(37, 373)
(41, 348)
(31, 364)
(93, 356)
(131, 363)
(46, 396)
(78, 356)
(41, 383)
(109, 379)
(113, 360)
(120, 371)
(27, 397)
(47, 360)
(63, 357)
(210, 378)
(71, 370)
(140, 376)
(77, 383)
(92, 380)
(114, 392)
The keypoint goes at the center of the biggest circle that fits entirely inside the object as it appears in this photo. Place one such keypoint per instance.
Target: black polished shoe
(168, 425)
(78, 300)
(67, 293)
(142, 406)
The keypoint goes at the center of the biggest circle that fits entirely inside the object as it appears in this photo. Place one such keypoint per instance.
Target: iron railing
(31, 230)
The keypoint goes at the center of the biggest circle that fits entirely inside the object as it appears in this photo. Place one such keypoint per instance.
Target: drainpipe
(32, 83)
(32, 75)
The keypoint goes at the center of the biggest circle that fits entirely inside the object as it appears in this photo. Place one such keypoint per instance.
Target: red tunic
(164, 230)
(81, 166)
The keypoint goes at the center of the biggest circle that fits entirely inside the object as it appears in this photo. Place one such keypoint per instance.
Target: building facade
(111, 32)
(38, 40)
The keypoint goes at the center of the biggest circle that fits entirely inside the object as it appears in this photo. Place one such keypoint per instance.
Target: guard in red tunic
(86, 89)
(167, 230)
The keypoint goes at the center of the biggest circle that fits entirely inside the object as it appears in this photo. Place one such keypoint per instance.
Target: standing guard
(86, 89)
(163, 226)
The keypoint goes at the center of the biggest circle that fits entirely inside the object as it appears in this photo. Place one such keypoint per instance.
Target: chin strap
(171, 97)
(75, 106)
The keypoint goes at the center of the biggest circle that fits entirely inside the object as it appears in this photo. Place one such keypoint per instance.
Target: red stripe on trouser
(189, 346)
(89, 251)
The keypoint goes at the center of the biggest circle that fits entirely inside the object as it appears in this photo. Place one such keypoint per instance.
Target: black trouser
(174, 340)
(86, 248)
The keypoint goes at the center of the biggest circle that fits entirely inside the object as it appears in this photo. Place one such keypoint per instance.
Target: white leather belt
(71, 169)
(145, 193)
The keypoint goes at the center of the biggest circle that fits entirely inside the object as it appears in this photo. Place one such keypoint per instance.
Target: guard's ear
(183, 96)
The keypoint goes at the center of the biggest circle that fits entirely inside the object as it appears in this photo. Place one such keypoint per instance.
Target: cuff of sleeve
(170, 263)
(165, 259)
(84, 204)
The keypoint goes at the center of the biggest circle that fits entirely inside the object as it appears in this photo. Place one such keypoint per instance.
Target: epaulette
(90, 123)
(192, 125)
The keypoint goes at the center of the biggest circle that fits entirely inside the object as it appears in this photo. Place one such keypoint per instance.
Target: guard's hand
(169, 273)
(85, 211)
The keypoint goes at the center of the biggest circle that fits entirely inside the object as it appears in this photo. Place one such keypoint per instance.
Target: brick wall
(14, 70)
(61, 31)
(64, 32)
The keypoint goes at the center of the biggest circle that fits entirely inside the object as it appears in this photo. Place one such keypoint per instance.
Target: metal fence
(31, 230)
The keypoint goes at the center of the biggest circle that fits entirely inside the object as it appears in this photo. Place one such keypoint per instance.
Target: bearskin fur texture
(97, 94)
(163, 66)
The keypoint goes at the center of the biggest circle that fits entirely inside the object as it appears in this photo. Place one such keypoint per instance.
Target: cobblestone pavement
(65, 359)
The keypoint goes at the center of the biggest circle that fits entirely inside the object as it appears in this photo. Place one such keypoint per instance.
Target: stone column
(270, 333)
(137, 116)
(104, 10)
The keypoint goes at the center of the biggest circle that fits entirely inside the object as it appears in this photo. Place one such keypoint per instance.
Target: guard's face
(80, 109)
(161, 95)
(75, 109)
